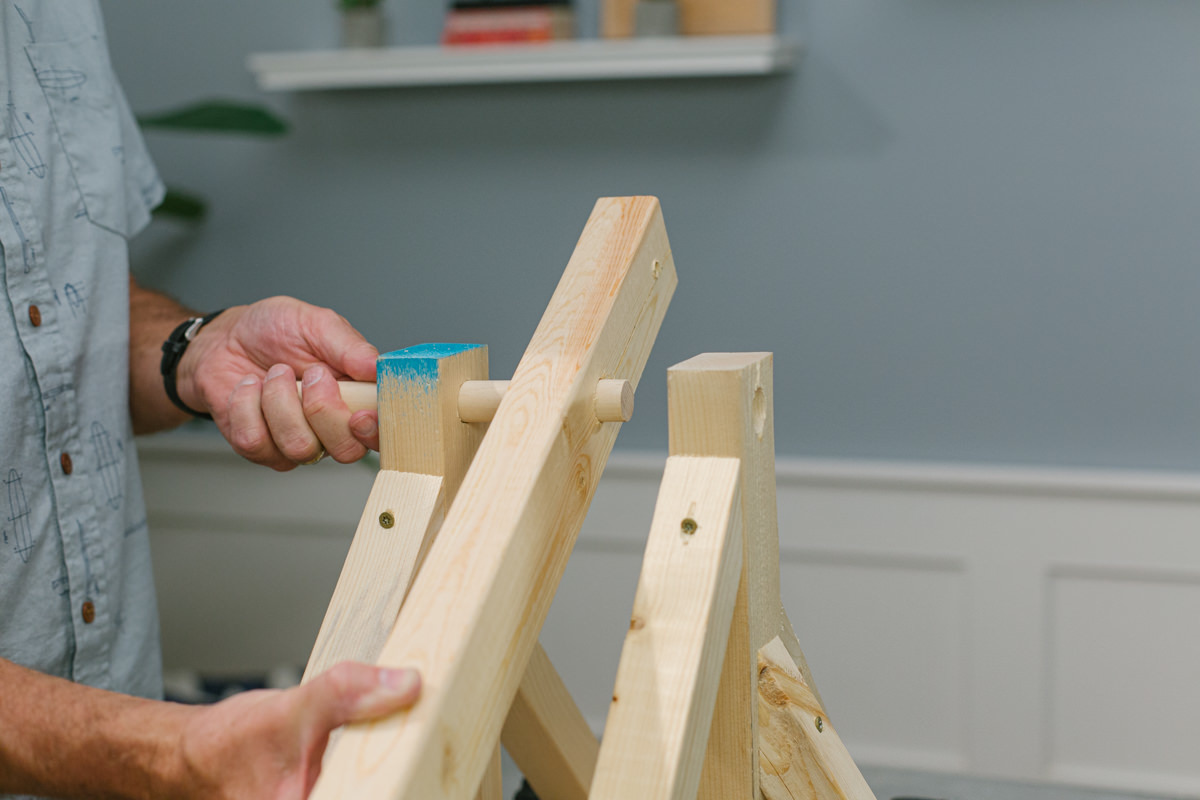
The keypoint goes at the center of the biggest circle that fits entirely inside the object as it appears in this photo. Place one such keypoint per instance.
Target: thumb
(353, 692)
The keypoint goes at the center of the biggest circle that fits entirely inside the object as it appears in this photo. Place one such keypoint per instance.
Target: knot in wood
(770, 690)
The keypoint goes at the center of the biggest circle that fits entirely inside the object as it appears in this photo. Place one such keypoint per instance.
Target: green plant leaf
(182, 205)
(218, 116)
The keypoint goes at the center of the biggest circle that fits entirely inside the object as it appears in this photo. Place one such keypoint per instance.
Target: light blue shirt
(76, 589)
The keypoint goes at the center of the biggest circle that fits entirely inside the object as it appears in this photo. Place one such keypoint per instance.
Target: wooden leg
(472, 617)
(547, 735)
(720, 404)
(800, 754)
(657, 729)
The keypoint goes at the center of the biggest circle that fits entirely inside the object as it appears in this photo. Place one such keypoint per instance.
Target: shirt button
(35, 315)
(67, 466)
(89, 612)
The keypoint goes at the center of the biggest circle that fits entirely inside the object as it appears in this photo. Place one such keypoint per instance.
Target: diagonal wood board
(471, 618)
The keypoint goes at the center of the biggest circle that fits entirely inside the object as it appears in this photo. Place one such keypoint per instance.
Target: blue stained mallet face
(417, 364)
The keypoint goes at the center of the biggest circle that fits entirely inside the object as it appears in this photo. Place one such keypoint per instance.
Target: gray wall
(969, 230)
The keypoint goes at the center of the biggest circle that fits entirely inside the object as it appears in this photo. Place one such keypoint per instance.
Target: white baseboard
(1031, 624)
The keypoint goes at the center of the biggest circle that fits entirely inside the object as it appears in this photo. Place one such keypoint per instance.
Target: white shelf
(592, 59)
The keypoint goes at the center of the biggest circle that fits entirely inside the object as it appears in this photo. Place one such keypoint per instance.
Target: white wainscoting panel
(899, 617)
(1030, 624)
(1124, 706)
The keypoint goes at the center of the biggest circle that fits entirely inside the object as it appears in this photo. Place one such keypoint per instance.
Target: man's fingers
(352, 692)
(285, 416)
(328, 415)
(248, 432)
(365, 426)
(338, 344)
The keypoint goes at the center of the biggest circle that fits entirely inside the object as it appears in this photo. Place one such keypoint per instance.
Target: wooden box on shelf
(698, 17)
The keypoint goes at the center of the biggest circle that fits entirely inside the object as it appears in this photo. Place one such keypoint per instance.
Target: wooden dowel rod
(478, 400)
(358, 395)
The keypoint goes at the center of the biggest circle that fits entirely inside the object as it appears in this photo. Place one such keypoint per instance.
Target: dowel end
(614, 401)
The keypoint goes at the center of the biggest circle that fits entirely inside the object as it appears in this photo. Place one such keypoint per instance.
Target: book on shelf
(508, 21)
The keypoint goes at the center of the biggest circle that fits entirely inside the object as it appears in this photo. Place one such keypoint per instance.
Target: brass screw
(820, 724)
(688, 526)
(386, 519)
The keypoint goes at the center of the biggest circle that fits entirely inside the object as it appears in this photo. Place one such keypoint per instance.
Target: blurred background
(968, 230)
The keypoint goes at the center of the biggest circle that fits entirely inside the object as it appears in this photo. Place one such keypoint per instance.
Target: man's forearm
(152, 317)
(59, 739)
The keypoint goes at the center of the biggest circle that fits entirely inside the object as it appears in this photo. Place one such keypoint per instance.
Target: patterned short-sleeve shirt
(76, 590)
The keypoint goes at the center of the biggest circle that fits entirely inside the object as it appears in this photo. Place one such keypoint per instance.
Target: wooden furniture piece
(468, 529)
(698, 17)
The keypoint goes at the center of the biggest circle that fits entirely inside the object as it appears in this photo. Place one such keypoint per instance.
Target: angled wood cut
(471, 619)
(801, 755)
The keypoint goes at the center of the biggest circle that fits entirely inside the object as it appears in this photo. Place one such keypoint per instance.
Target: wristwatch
(173, 349)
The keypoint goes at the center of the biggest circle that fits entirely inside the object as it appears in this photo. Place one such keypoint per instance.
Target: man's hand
(242, 367)
(61, 739)
(267, 745)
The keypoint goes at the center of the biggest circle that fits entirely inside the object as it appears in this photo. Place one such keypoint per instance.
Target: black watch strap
(173, 349)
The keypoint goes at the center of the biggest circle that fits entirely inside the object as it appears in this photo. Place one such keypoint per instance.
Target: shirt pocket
(109, 162)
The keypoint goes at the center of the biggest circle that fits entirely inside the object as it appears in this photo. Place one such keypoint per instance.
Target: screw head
(820, 724)
(688, 526)
(386, 519)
